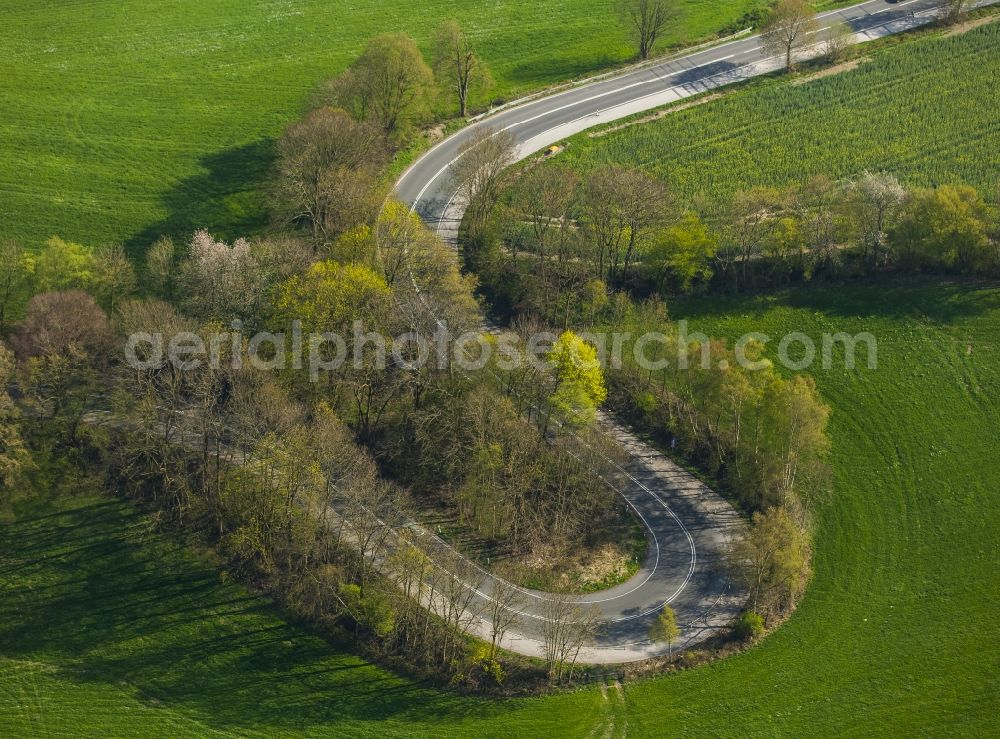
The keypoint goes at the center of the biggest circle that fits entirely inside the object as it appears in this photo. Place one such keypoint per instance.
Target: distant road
(546, 120)
(689, 525)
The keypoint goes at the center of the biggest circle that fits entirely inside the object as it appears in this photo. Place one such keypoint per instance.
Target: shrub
(748, 626)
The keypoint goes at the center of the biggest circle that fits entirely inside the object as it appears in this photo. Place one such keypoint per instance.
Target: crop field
(898, 627)
(124, 119)
(924, 110)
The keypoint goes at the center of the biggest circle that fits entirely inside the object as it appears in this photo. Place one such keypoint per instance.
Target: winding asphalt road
(688, 524)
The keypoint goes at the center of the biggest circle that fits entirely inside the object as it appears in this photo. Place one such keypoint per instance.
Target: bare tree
(788, 28)
(566, 627)
(371, 508)
(622, 209)
(326, 173)
(457, 64)
(506, 600)
(55, 321)
(458, 604)
(544, 195)
(839, 39)
(479, 172)
(954, 10)
(646, 20)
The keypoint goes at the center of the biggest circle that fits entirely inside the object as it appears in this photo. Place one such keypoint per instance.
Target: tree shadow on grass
(545, 70)
(92, 591)
(227, 198)
(940, 300)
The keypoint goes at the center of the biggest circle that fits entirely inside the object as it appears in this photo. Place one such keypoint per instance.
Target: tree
(751, 222)
(874, 200)
(788, 28)
(684, 250)
(944, 227)
(820, 201)
(545, 195)
(839, 39)
(622, 209)
(368, 609)
(115, 275)
(63, 265)
(218, 278)
(401, 239)
(457, 64)
(505, 602)
(479, 171)
(802, 420)
(387, 86)
(330, 296)
(748, 626)
(646, 20)
(162, 267)
(13, 454)
(58, 389)
(566, 627)
(15, 277)
(954, 10)
(773, 561)
(665, 629)
(225, 281)
(578, 380)
(326, 173)
(54, 322)
(63, 339)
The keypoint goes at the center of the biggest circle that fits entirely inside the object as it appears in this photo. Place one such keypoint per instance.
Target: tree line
(552, 230)
(307, 487)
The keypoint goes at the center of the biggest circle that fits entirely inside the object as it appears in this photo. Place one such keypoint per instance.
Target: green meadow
(121, 120)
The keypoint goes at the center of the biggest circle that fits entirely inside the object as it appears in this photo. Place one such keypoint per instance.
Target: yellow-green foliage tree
(331, 296)
(665, 628)
(773, 561)
(944, 227)
(578, 380)
(63, 265)
(684, 250)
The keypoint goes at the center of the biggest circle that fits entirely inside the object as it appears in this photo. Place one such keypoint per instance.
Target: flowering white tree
(218, 278)
(876, 197)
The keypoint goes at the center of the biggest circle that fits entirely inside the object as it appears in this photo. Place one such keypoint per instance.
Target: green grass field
(125, 119)
(108, 628)
(118, 125)
(923, 109)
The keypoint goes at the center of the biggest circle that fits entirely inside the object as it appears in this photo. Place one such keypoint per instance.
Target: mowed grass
(107, 627)
(924, 109)
(124, 119)
(898, 630)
